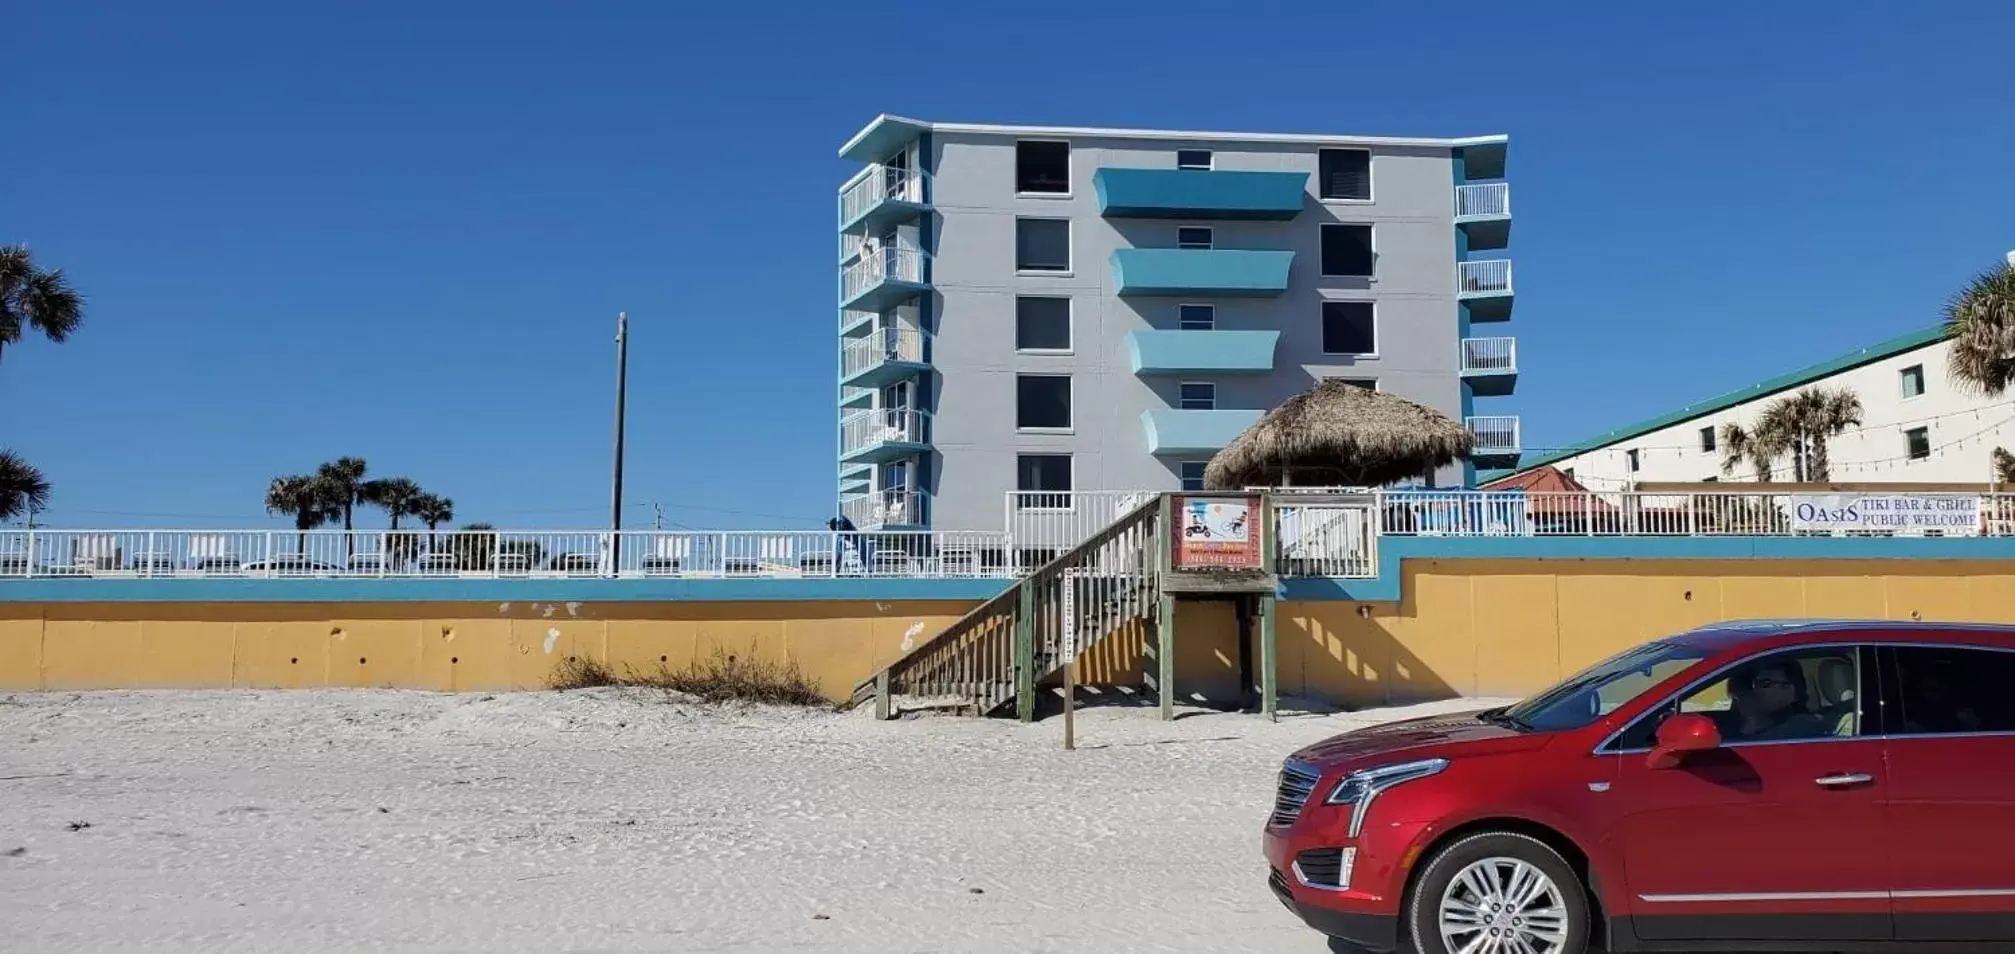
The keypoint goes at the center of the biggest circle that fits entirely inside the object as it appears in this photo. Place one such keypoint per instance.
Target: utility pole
(622, 375)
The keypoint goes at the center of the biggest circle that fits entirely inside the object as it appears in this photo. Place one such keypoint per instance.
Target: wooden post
(1024, 651)
(1164, 626)
(883, 704)
(1069, 705)
(1269, 612)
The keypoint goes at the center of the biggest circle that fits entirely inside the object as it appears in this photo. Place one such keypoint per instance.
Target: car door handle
(1844, 779)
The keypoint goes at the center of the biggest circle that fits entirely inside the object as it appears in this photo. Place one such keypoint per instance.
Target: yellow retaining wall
(1463, 627)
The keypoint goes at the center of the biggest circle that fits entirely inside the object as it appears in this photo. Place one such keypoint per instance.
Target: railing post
(149, 571)
(31, 552)
(1269, 606)
(1024, 651)
(882, 701)
(1164, 627)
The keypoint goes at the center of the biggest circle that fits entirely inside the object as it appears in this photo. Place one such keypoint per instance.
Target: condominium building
(1050, 309)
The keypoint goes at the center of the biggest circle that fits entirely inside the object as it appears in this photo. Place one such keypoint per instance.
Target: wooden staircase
(998, 653)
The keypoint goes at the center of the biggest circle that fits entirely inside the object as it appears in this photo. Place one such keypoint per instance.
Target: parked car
(1777, 785)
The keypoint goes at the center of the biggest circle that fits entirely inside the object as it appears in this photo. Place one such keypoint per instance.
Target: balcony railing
(1491, 277)
(879, 265)
(883, 427)
(1494, 435)
(1489, 355)
(895, 345)
(880, 184)
(1483, 200)
(885, 508)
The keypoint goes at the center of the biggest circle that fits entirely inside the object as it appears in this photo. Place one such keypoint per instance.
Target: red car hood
(1424, 738)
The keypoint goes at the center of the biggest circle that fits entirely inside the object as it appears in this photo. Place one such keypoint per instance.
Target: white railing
(1043, 524)
(884, 508)
(1722, 514)
(850, 244)
(1490, 354)
(879, 264)
(894, 343)
(1492, 277)
(282, 554)
(1493, 435)
(879, 184)
(851, 318)
(1337, 538)
(864, 429)
(1483, 199)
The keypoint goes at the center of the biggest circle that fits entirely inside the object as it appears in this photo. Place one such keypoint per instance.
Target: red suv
(1759, 786)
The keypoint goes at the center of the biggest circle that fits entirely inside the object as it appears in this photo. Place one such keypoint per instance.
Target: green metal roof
(1783, 382)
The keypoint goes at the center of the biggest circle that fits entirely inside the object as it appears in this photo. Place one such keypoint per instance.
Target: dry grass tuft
(722, 677)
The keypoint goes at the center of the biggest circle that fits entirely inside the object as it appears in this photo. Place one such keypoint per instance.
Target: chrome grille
(1320, 867)
(1296, 782)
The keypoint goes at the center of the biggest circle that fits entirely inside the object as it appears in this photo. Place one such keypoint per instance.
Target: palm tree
(1980, 321)
(37, 298)
(434, 510)
(22, 488)
(1806, 421)
(305, 499)
(1759, 448)
(2004, 466)
(342, 481)
(399, 496)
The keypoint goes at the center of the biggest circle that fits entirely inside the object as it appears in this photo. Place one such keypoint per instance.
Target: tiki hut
(1340, 435)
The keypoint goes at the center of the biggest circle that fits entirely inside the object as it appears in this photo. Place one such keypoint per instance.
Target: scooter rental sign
(1217, 533)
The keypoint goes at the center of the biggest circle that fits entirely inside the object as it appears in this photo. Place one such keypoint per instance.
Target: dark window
(1917, 442)
(1346, 174)
(1192, 474)
(1569, 474)
(1197, 396)
(1193, 236)
(1042, 401)
(1192, 158)
(1709, 479)
(1196, 317)
(1042, 245)
(1945, 690)
(1042, 167)
(1786, 696)
(1349, 327)
(1369, 384)
(1042, 324)
(1707, 439)
(1346, 251)
(1043, 481)
(1631, 455)
(1913, 380)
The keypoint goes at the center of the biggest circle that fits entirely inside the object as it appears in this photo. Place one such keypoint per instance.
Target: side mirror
(1681, 734)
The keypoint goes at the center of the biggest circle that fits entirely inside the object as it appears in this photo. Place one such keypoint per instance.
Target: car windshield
(1600, 689)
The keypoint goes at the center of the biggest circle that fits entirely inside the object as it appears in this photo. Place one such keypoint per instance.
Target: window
(1710, 479)
(1580, 699)
(1346, 251)
(1196, 317)
(1042, 324)
(1192, 474)
(1042, 401)
(1785, 696)
(1042, 168)
(1707, 439)
(1369, 384)
(1917, 442)
(1568, 473)
(1193, 236)
(1349, 327)
(1631, 456)
(1192, 158)
(1945, 690)
(1345, 174)
(1043, 481)
(1913, 380)
(1197, 396)
(1042, 245)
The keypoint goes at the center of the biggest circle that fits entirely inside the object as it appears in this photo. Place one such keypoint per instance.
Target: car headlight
(1360, 788)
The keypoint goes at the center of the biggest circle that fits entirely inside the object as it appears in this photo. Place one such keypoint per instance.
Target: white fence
(879, 264)
(891, 344)
(1043, 524)
(866, 429)
(1491, 277)
(1717, 514)
(1482, 199)
(878, 184)
(1490, 354)
(1494, 435)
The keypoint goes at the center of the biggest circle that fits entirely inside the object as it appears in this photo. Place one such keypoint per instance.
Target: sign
(1217, 533)
(1950, 513)
(1069, 617)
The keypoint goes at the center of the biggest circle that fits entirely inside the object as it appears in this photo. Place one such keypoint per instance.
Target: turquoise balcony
(883, 196)
(882, 358)
(1194, 432)
(1490, 366)
(1496, 441)
(886, 510)
(881, 278)
(874, 437)
(1200, 271)
(1220, 352)
(1199, 194)
(1483, 213)
(1485, 287)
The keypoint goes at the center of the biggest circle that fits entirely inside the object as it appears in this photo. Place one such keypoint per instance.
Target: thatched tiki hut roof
(1339, 434)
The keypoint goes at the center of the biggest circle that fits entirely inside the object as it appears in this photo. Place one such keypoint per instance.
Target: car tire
(1498, 866)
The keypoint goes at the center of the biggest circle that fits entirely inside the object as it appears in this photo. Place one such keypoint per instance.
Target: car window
(1777, 697)
(1943, 690)
(1594, 692)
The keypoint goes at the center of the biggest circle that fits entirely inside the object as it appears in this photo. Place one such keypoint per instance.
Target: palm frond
(22, 487)
(1980, 323)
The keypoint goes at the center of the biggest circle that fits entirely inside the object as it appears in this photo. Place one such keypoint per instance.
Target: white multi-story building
(1918, 424)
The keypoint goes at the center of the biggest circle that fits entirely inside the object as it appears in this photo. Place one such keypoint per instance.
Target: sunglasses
(1769, 683)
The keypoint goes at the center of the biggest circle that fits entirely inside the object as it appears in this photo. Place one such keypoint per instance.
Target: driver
(1768, 701)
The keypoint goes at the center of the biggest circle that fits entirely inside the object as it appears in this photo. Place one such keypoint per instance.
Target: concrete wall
(974, 356)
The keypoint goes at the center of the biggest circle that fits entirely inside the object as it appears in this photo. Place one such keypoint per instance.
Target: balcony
(1200, 271)
(878, 436)
(1490, 365)
(1496, 439)
(1483, 213)
(1222, 352)
(855, 479)
(882, 196)
(883, 358)
(886, 510)
(1486, 288)
(1199, 194)
(882, 277)
(1194, 432)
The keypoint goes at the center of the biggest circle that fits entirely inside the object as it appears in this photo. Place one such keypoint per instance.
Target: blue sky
(402, 231)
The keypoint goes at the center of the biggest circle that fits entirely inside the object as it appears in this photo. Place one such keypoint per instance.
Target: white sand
(614, 821)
